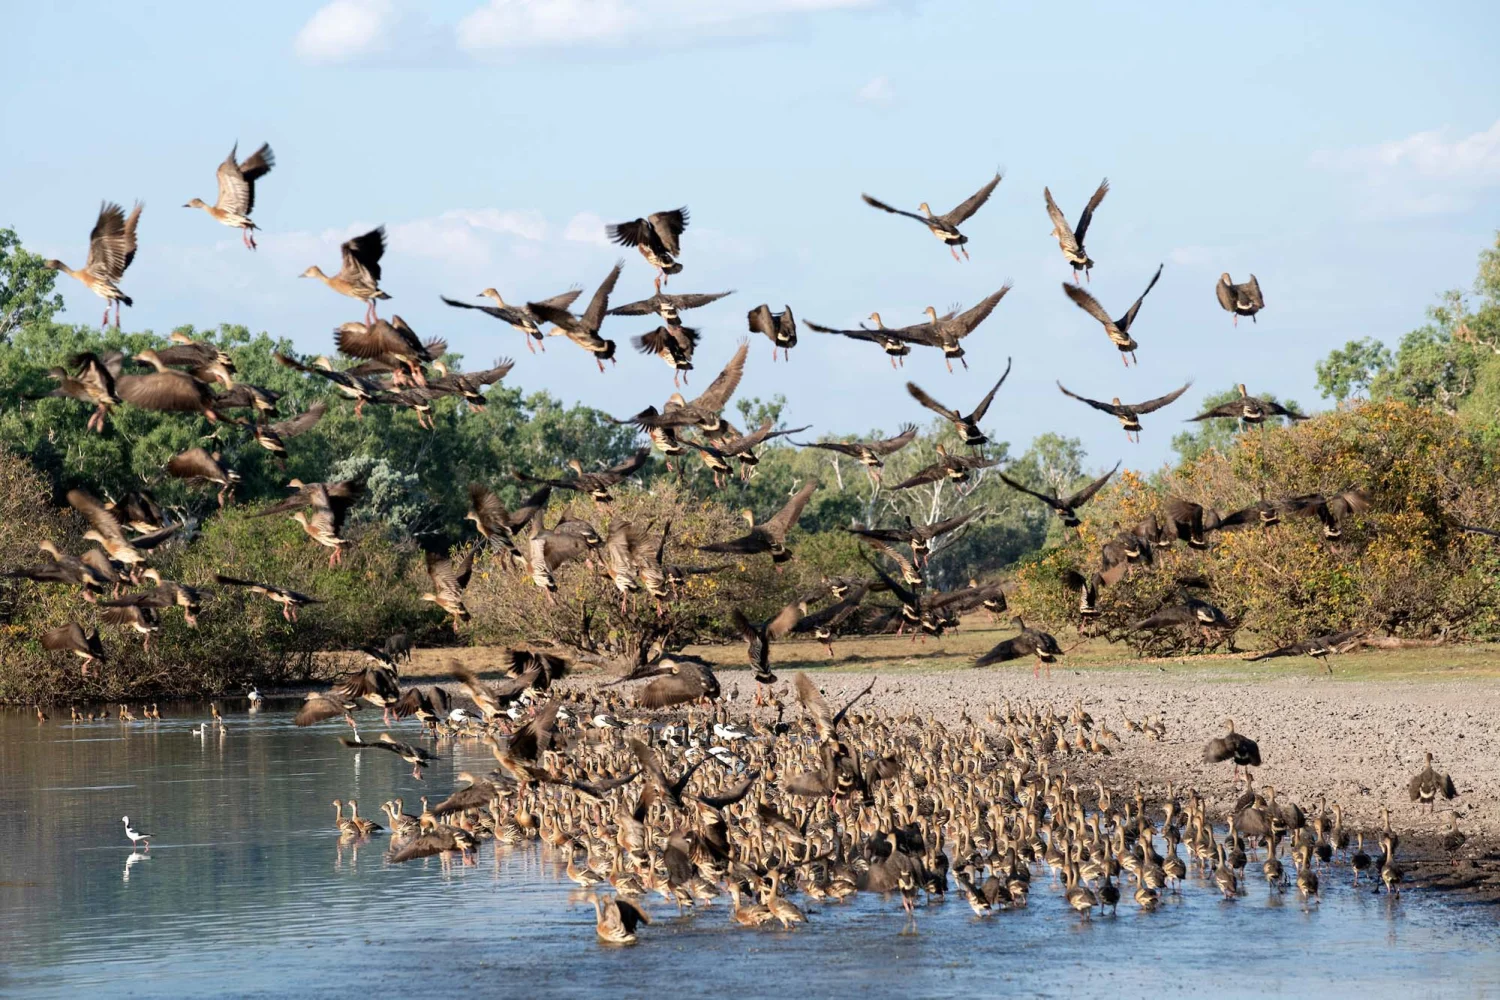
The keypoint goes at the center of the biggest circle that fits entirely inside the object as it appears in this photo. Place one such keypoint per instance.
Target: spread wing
(892, 445)
(931, 474)
(972, 203)
(1096, 404)
(877, 203)
(168, 391)
(1151, 405)
(989, 397)
(970, 319)
(932, 404)
(100, 519)
(1086, 494)
(1010, 649)
(779, 525)
(1087, 303)
(301, 423)
(1064, 232)
(361, 255)
(716, 396)
(112, 241)
(599, 304)
(1088, 211)
(1135, 307)
(669, 227)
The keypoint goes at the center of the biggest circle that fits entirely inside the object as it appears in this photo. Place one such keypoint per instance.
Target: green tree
(1351, 370)
(26, 294)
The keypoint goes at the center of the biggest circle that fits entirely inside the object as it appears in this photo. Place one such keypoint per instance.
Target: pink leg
(954, 252)
(966, 252)
(529, 346)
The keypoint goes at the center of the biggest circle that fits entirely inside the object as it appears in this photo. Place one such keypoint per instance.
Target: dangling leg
(966, 252)
(953, 251)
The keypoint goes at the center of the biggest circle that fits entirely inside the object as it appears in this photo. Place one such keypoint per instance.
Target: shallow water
(246, 892)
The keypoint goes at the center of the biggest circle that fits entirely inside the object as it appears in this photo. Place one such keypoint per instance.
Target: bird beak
(187, 205)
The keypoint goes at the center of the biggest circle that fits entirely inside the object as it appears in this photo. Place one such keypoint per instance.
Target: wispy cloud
(345, 30)
(505, 25)
(1423, 174)
(877, 92)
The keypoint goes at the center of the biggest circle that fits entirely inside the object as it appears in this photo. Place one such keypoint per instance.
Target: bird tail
(381, 295)
(125, 299)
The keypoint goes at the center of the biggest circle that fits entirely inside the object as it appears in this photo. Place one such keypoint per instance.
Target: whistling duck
(1031, 642)
(166, 594)
(166, 389)
(1428, 784)
(359, 273)
(584, 330)
(290, 600)
(1249, 409)
(945, 226)
(945, 332)
(669, 307)
(521, 317)
(73, 639)
(595, 484)
(198, 464)
(449, 581)
(956, 469)
(1118, 330)
(780, 327)
(93, 382)
(111, 249)
(1319, 647)
(967, 426)
(1070, 241)
(769, 537)
(657, 237)
(674, 345)
(237, 190)
(328, 511)
(1240, 300)
(105, 529)
(273, 437)
(1331, 510)
(1129, 414)
(892, 341)
(870, 454)
(615, 920)
(1233, 746)
(392, 345)
(1067, 507)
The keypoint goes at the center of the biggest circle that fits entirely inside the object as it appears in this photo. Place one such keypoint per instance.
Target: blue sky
(1349, 157)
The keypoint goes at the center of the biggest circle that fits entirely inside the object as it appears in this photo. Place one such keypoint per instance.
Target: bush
(241, 638)
(1401, 568)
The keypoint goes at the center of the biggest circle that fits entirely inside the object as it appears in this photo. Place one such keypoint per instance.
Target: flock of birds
(825, 806)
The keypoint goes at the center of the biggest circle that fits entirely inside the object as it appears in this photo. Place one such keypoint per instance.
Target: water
(246, 892)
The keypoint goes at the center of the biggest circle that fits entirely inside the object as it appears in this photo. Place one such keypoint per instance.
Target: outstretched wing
(877, 203)
(1060, 227)
(989, 397)
(1086, 494)
(971, 205)
(932, 404)
(1096, 404)
(1088, 211)
(1151, 405)
(1135, 307)
(787, 516)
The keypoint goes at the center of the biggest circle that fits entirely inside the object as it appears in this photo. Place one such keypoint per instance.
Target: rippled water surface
(246, 892)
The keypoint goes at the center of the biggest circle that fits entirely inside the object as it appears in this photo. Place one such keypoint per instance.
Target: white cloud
(1423, 174)
(502, 25)
(878, 92)
(345, 30)
(586, 227)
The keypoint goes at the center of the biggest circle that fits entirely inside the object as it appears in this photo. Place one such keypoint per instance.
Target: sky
(1348, 156)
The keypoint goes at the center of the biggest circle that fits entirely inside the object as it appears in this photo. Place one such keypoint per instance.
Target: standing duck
(945, 332)
(1129, 414)
(1427, 784)
(1118, 330)
(521, 317)
(967, 426)
(1071, 240)
(780, 327)
(769, 537)
(870, 454)
(1240, 300)
(657, 237)
(945, 226)
(111, 249)
(584, 330)
(359, 273)
(237, 190)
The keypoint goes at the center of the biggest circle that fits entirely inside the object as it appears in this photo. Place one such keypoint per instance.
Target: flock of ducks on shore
(771, 817)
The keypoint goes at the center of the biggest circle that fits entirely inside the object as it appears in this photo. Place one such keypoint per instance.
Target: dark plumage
(780, 328)
(1118, 330)
(657, 237)
(1070, 240)
(1129, 414)
(1428, 784)
(1233, 746)
(945, 226)
(967, 426)
(1031, 642)
(1241, 300)
(1319, 647)
(1066, 507)
(1249, 409)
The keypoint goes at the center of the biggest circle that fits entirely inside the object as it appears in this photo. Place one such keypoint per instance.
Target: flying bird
(1249, 409)
(1240, 300)
(967, 426)
(111, 249)
(359, 271)
(584, 330)
(1071, 240)
(657, 237)
(945, 226)
(1066, 506)
(780, 327)
(521, 317)
(1129, 414)
(1118, 330)
(236, 198)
